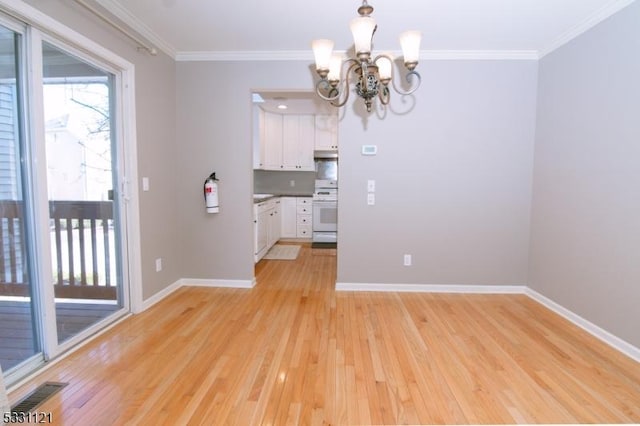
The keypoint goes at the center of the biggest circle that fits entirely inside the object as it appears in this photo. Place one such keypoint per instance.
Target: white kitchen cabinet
(274, 223)
(288, 217)
(266, 218)
(298, 141)
(326, 132)
(304, 217)
(296, 216)
(272, 142)
(287, 142)
(261, 220)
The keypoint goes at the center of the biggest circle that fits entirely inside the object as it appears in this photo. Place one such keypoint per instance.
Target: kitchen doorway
(289, 129)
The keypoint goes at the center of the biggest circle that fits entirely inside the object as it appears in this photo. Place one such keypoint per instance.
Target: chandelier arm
(336, 102)
(384, 95)
(323, 83)
(411, 75)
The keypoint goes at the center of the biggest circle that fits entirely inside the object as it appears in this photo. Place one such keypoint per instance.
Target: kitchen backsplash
(279, 182)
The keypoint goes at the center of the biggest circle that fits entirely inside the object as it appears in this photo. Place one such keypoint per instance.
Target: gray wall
(586, 203)
(214, 113)
(156, 137)
(453, 180)
(454, 175)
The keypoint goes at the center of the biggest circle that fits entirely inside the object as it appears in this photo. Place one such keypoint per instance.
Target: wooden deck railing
(82, 239)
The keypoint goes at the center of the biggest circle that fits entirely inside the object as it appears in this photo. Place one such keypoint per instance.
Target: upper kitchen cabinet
(326, 132)
(271, 143)
(286, 142)
(298, 140)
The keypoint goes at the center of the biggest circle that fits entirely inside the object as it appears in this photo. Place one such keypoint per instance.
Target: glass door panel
(85, 246)
(18, 330)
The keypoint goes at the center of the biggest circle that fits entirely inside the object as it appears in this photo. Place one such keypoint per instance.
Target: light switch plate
(371, 199)
(371, 185)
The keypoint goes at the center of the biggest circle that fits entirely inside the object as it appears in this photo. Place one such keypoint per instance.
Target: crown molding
(304, 55)
(138, 26)
(600, 15)
(244, 55)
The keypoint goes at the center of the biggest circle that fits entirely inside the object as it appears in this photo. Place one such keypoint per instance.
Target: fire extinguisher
(211, 194)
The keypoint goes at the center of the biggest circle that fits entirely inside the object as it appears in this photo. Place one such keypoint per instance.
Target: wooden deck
(16, 329)
(292, 350)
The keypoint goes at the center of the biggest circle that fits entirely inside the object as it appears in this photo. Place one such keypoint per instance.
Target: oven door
(325, 216)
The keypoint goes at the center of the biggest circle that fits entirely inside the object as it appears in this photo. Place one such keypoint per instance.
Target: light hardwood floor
(294, 351)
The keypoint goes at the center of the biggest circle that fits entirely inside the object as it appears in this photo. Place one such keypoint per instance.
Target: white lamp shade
(362, 30)
(410, 43)
(322, 49)
(384, 67)
(335, 66)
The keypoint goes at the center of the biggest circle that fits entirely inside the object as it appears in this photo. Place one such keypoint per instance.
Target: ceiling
(284, 29)
(518, 28)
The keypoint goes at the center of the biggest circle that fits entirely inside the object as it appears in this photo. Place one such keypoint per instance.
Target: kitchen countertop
(259, 198)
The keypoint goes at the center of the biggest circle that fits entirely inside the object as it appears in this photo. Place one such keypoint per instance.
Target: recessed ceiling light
(282, 106)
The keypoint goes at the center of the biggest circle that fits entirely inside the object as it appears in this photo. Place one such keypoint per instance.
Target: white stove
(325, 212)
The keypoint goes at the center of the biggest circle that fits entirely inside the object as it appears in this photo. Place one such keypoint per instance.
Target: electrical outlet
(145, 183)
(158, 264)
(407, 260)
(371, 185)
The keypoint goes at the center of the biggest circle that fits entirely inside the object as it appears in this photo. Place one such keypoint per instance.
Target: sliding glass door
(19, 332)
(62, 228)
(81, 178)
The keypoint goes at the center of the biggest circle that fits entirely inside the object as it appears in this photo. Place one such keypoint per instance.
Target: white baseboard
(433, 288)
(198, 282)
(194, 282)
(608, 338)
(147, 303)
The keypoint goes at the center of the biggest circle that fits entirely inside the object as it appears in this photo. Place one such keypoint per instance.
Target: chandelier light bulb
(362, 29)
(322, 49)
(410, 43)
(384, 68)
(335, 67)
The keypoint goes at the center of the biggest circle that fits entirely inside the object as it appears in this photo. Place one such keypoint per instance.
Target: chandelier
(373, 74)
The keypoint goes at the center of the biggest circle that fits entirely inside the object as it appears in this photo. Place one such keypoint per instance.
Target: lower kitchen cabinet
(288, 217)
(296, 217)
(267, 226)
(304, 212)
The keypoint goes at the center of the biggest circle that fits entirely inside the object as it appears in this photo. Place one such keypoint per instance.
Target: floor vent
(37, 397)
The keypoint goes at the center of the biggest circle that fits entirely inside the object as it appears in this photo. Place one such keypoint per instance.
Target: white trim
(600, 15)
(193, 282)
(35, 133)
(479, 55)
(303, 55)
(433, 288)
(162, 294)
(129, 196)
(120, 12)
(605, 336)
(198, 282)
(598, 332)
